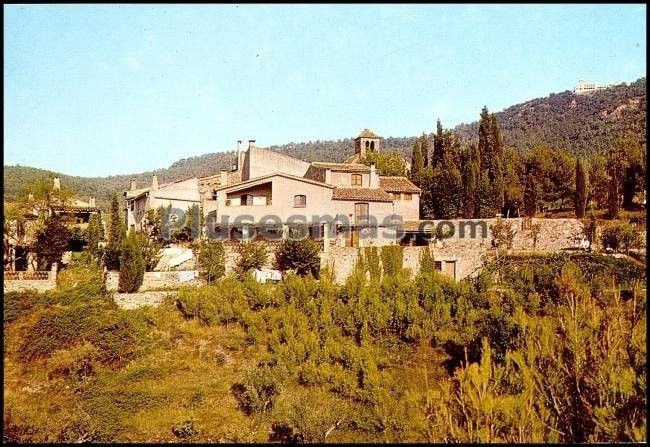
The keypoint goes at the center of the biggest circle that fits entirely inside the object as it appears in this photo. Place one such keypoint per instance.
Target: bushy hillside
(583, 124)
(579, 123)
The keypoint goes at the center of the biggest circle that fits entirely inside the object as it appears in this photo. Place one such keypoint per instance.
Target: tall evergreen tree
(438, 146)
(417, 162)
(424, 148)
(116, 234)
(613, 200)
(470, 179)
(580, 198)
(95, 234)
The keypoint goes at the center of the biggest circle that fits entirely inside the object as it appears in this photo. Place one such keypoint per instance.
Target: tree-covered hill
(580, 123)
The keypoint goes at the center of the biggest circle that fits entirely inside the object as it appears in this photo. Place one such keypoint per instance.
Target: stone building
(269, 190)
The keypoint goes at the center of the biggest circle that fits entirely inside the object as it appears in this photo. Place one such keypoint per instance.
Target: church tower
(367, 141)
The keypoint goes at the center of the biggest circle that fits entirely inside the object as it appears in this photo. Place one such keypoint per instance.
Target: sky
(96, 90)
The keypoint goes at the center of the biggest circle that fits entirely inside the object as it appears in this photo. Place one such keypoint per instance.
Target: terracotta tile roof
(352, 159)
(369, 194)
(397, 184)
(367, 133)
(344, 167)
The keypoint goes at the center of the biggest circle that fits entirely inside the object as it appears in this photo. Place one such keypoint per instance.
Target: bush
(392, 258)
(186, 429)
(621, 236)
(252, 256)
(132, 265)
(301, 256)
(84, 278)
(212, 259)
(74, 365)
(257, 390)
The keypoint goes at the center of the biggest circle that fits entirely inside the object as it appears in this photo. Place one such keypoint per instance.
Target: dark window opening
(437, 265)
(247, 200)
(356, 179)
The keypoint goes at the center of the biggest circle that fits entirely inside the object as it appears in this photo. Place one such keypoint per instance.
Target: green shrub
(211, 259)
(392, 258)
(86, 278)
(132, 265)
(186, 430)
(74, 365)
(300, 256)
(252, 255)
(257, 390)
(621, 236)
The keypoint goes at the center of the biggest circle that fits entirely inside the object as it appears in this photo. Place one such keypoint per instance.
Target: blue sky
(105, 90)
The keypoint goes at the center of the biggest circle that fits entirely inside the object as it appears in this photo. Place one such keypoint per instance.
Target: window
(247, 199)
(356, 179)
(395, 196)
(437, 265)
(299, 201)
(408, 196)
(214, 194)
(361, 213)
(372, 146)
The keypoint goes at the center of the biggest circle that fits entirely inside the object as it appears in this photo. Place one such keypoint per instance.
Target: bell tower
(367, 141)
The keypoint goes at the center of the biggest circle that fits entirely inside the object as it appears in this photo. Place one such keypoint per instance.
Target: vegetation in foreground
(543, 349)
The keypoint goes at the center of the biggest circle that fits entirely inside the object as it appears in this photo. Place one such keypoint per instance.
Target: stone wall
(40, 281)
(158, 280)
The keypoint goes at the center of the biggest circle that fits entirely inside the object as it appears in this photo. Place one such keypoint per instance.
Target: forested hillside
(579, 123)
(582, 124)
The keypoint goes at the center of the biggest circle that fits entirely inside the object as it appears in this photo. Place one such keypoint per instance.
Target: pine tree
(580, 198)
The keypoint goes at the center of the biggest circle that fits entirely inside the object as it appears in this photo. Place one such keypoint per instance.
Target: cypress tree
(424, 148)
(132, 265)
(95, 233)
(417, 162)
(116, 234)
(612, 194)
(580, 198)
(470, 181)
(438, 146)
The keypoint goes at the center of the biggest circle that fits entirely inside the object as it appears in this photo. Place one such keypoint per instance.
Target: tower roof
(367, 133)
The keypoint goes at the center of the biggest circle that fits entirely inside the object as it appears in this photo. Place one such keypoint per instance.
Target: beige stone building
(345, 203)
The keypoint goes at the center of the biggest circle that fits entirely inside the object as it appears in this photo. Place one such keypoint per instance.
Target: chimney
(328, 176)
(251, 143)
(57, 183)
(30, 197)
(154, 182)
(91, 202)
(237, 166)
(374, 177)
(224, 178)
(132, 186)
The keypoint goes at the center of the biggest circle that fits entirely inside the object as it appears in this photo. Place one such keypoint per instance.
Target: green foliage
(621, 236)
(211, 258)
(417, 161)
(257, 390)
(252, 255)
(51, 242)
(580, 198)
(300, 256)
(191, 229)
(132, 264)
(503, 234)
(387, 163)
(94, 234)
(392, 258)
(186, 430)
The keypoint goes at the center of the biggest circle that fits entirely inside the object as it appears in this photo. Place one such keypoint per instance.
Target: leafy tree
(447, 189)
(621, 236)
(513, 185)
(51, 242)
(392, 258)
(387, 163)
(580, 199)
(598, 180)
(211, 258)
(299, 255)
(132, 264)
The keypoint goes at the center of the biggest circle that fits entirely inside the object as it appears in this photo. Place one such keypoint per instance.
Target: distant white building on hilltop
(583, 87)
